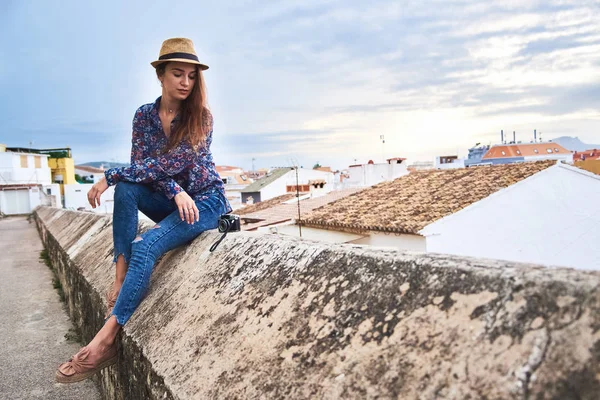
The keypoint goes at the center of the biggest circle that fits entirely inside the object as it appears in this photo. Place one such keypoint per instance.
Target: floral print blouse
(183, 168)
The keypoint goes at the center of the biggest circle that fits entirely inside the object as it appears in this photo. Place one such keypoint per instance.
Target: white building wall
(24, 200)
(11, 171)
(550, 218)
(52, 194)
(321, 235)
(568, 158)
(399, 241)
(76, 198)
(458, 163)
(279, 186)
(372, 174)
(373, 238)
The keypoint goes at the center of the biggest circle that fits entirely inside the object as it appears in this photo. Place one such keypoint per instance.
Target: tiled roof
(225, 168)
(324, 169)
(265, 204)
(285, 212)
(92, 170)
(525, 150)
(411, 202)
(594, 154)
(266, 180)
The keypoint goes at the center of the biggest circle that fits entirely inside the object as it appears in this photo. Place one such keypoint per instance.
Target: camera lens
(223, 225)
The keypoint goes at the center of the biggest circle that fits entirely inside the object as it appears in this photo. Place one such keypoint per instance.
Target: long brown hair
(195, 118)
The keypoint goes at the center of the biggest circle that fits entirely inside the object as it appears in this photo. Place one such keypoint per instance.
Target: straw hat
(178, 49)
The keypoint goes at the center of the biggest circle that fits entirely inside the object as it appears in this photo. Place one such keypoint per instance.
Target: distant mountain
(106, 164)
(574, 144)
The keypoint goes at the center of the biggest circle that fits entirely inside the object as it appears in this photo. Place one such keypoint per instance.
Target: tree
(317, 165)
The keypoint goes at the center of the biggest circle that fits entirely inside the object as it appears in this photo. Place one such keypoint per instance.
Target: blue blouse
(183, 168)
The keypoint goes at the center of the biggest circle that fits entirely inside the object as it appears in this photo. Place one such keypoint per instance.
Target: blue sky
(306, 81)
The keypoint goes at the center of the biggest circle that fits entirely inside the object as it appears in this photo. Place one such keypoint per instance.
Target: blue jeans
(170, 231)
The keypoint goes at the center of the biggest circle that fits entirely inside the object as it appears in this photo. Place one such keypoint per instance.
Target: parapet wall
(269, 317)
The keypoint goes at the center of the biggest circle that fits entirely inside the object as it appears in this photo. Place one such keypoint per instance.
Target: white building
(76, 198)
(550, 218)
(364, 175)
(283, 180)
(25, 182)
(538, 212)
(89, 174)
(235, 180)
(449, 162)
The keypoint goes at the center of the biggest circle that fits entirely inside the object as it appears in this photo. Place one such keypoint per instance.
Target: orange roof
(89, 169)
(263, 205)
(225, 168)
(276, 212)
(582, 155)
(524, 150)
(324, 169)
(411, 202)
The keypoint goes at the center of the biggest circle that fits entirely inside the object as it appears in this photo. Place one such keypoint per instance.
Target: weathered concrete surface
(266, 317)
(34, 322)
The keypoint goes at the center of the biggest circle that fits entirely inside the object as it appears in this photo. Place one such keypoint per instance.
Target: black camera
(229, 223)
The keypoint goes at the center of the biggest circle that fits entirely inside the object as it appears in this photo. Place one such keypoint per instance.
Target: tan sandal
(79, 367)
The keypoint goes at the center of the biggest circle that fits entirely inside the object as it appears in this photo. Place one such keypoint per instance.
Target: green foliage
(59, 154)
(317, 165)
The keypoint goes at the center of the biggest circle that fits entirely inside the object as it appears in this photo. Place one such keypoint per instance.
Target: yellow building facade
(63, 171)
(589, 165)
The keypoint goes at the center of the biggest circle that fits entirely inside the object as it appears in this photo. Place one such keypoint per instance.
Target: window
(519, 152)
(38, 161)
(549, 150)
(535, 151)
(503, 153)
(224, 180)
(24, 162)
(555, 150)
(243, 177)
(301, 188)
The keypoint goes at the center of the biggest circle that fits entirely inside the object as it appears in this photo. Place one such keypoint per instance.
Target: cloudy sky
(306, 81)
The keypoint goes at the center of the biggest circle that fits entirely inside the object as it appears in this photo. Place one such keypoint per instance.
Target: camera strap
(216, 244)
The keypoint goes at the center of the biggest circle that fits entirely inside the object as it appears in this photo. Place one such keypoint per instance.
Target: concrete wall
(269, 317)
(550, 218)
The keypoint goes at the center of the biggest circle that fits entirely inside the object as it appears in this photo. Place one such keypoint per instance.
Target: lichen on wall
(266, 317)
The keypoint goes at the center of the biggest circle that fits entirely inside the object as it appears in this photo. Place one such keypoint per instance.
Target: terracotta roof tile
(278, 212)
(524, 150)
(92, 170)
(265, 204)
(411, 202)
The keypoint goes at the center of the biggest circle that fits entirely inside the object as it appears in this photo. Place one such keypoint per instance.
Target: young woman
(171, 179)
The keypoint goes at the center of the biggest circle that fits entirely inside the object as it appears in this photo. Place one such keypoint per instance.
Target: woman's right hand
(95, 192)
(187, 208)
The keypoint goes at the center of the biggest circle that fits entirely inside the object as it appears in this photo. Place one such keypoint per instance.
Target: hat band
(187, 56)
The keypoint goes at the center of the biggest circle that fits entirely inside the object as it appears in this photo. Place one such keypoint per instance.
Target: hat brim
(156, 63)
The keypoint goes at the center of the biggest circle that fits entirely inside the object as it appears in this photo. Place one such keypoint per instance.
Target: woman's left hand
(95, 192)
(187, 208)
